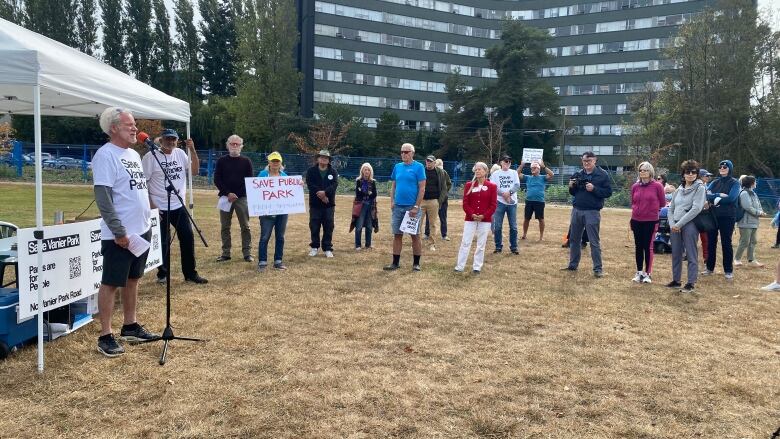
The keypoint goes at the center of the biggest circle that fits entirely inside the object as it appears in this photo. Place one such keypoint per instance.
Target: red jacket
(480, 203)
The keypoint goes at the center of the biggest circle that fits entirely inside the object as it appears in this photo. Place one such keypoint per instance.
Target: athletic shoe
(313, 251)
(432, 248)
(774, 286)
(416, 267)
(223, 258)
(279, 266)
(456, 270)
(161, 280)
(776, 246)
(646, 279)
(674, 284)
(597, 273)
(737, 262)
(136, 333)
(755, 264)
(729, 276)
(567, 268)
(197, 279)
(249, 258)
(515, 252)
(261, 267)
(475, 271)
(688, 288)
(638, 277)
(498, 250)
(357, 249)
(391, 267)
(446, 238)
(108, 346)
(707, 273)
(328, 254)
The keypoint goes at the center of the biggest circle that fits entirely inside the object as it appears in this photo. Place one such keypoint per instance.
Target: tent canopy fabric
(72, 83)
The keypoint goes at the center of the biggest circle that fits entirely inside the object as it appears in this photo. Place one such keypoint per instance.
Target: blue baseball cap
(169, 132)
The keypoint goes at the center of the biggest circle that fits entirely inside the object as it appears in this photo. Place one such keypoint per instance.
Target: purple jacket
(647, 200)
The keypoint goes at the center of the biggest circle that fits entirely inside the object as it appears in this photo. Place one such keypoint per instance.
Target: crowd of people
(127, 188)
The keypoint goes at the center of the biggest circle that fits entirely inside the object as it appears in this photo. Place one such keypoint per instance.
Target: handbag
(706, 221)
(357, 207)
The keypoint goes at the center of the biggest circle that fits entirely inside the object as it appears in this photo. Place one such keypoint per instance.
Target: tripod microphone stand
(167, 335)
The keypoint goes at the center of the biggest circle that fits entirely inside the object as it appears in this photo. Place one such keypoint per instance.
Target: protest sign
(531, 155)
(72, 264)
(410, 224)
(275, 195)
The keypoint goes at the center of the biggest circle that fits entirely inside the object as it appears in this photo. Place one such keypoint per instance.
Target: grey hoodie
(752, 206)
(686, 203)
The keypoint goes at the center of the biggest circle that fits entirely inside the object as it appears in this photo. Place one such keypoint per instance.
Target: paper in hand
(223, 204)
(137, 245)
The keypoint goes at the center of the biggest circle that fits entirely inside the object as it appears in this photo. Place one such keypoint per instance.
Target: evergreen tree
(218, 47)
(139, 43)
(388, 135)
(55, 19)
(113, 34)
(162, 62)
(86, 24)
(189, 83)
(12, 11)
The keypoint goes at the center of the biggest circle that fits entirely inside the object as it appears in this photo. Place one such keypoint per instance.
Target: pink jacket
(647, 200)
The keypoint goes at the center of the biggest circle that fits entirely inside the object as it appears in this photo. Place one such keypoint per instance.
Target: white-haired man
(534, 198)
(123, 200)
(407, 186)
(229, 174)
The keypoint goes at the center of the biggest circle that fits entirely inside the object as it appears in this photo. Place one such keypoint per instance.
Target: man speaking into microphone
(123, 200)
(173, 161)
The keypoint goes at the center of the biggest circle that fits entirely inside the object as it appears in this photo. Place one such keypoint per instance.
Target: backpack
(740, 209)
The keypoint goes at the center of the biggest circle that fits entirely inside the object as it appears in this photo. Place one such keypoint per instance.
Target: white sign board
(531, 155)
(410, 224)
(275, 195)
(72, 264)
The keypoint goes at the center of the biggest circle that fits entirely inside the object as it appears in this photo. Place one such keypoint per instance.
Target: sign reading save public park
(72, 264)
(275, 195)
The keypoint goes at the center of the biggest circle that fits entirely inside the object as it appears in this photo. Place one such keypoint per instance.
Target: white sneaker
(328, 254)
(737, 262)
(774, 286)
(646, 279)
(446, 238)
(432, 248)
(755, 264)
(707, 273)
(637, 277)
(313, 251)
(729, 276)
(357, 249)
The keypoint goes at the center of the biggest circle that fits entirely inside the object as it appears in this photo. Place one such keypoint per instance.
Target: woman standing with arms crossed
(687, 201)
(647, 199)
(365, 196)
(269, 223)
(479, 202)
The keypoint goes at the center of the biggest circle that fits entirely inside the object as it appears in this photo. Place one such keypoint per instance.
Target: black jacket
(315, 183)
(362, 196)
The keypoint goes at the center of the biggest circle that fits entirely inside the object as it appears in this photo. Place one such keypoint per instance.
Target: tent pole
(38, 214)
(189, 174)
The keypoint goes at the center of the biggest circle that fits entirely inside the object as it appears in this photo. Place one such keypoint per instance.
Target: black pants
(442, 220)
(777, 239)
(644, 235)
(181, 224)
(726, 231)
(322, 218)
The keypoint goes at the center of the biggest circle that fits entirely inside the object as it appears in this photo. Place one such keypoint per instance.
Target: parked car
(67, 163)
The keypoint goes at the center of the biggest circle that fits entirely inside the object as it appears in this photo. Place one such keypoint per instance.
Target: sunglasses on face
(691, 172)
(643, 170)
(723, 167)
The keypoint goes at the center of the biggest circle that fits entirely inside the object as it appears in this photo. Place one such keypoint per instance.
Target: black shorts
(534, 208)
(119, 264)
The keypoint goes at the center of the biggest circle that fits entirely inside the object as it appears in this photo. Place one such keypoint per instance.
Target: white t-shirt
(505, 180)
(121, 170)
(175, 164)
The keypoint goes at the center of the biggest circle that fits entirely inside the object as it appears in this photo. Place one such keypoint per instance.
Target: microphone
(144, 138)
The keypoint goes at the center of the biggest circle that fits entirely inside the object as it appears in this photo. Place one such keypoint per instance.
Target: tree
(113, 34)
(388, 135)
(186, 51)
(492, 137)
(86, 24)
(162, 71)
(465, 115)
(330, 130)
(52, 18)
(218, 46)
(139, 43)
(12, 11)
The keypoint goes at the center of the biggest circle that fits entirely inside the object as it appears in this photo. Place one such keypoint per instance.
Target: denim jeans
(364, 220)
(267, 224)
(498, 223)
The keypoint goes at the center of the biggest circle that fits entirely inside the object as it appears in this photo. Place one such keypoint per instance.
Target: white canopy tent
(40, 76)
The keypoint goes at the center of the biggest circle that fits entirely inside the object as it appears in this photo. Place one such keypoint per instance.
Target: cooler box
(11, 333)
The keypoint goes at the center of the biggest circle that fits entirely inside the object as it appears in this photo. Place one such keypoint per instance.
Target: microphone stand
(167, 335)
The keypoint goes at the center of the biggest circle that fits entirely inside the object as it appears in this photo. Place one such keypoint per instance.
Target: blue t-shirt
(535, 187)
(264, 173)
(406, 178)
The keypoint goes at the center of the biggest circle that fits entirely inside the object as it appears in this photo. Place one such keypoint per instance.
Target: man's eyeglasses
(405, 152)
(235, 144)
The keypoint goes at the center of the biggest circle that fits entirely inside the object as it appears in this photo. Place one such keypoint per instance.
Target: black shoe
(279, 266)
(136, 333)
(567, 268)
(597, 273)
(498, 250)
(108, 346)
(776, 246)
(673, 284)
(196, 279)
(416, 267)
(515, 252)
(688, 288)
(161, 280)
(475, 271)
(223, 258)
(249, 258)
(391, 267)
(565, 244)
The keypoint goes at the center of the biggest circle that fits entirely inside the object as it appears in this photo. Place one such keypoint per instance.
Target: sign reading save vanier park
(72, 264)
(275, 195)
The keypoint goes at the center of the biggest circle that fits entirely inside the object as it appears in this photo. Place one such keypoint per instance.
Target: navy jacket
(602, 190)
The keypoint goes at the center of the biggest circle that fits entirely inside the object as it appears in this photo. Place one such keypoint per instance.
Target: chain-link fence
(71, 164)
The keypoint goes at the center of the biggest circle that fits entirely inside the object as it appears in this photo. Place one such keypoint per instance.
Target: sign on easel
(531, 155)
(72, 264)
(275, 195)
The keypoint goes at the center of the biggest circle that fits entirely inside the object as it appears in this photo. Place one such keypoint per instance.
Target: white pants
(469, 228)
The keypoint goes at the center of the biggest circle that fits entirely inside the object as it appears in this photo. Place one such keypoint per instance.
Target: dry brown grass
(339, 348)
